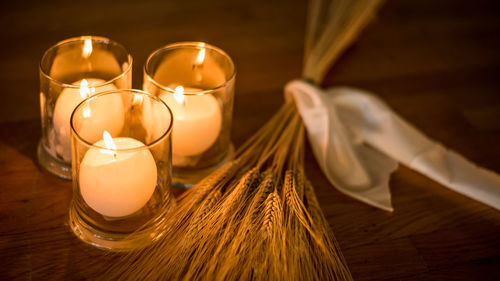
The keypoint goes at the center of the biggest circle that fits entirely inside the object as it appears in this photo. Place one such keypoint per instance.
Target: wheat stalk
(272, 215)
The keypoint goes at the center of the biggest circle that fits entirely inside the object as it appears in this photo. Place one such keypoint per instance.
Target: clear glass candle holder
(121, 163)
(71, 71)
(196, 80)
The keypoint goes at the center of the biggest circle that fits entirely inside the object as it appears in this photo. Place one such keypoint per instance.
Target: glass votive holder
(121, 163)
(71, 71)
(196, 80)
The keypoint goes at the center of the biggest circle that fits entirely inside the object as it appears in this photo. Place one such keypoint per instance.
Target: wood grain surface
(436, 63)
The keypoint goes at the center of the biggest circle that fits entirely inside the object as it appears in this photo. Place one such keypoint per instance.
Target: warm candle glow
(68, 100)
(84, 89)
(197, 120)
(87, 48)
(117, 183)
(179, 95)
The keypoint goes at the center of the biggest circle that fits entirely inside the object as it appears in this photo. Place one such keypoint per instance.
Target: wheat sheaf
(257, 217)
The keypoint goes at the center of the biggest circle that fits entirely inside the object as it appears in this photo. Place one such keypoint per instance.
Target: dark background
(436, 63)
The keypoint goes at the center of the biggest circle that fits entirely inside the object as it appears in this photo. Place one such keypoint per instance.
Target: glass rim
(82, 38)
(167, 132)
(195, 45)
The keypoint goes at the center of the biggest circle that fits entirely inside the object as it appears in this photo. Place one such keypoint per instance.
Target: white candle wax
(117, 183)
(197, 122)
(68, 99)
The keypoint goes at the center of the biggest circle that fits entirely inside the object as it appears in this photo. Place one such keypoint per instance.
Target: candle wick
(114, 156)
(195, 65)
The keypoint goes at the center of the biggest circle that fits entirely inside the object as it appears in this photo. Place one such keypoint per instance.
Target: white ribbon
(358, 142)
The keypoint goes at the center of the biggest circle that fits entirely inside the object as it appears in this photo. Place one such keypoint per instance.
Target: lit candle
(197, 120)
(68, 99)
(115, 182)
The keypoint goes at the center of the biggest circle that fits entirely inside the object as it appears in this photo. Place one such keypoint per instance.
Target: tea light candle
(68, 99)
(197, 121)
(117, 183)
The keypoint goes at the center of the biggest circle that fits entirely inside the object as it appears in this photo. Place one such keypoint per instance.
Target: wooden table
(436, 63)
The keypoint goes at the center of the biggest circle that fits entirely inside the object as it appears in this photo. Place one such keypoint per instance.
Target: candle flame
(109, 143)
(86, 112)
(201, 55)
(84, 89)
(138, 99)
(179, 95)
(87, 48)
(108, 140)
